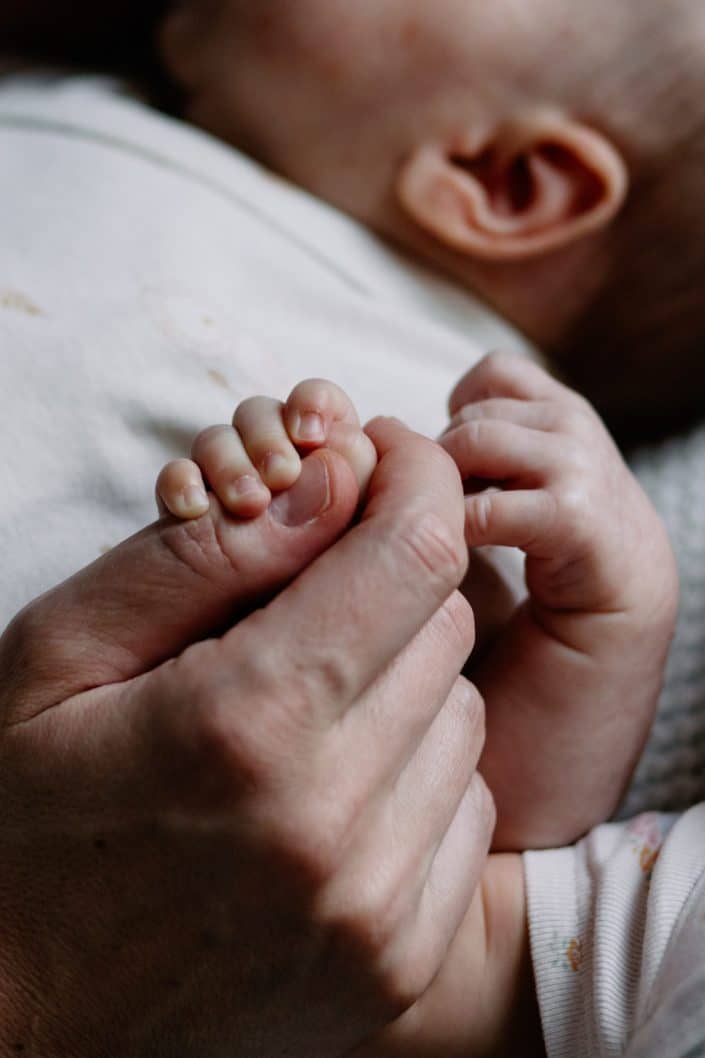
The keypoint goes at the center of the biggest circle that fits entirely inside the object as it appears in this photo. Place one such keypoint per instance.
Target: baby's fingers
(312, 410)
(180, 490)
(523, 519)
(260, 423)
(505, 375)
(501, 451)
(228, 470)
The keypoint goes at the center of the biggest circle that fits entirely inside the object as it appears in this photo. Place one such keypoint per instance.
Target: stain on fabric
(15, 301)
(220, 380)
(647, 859)
(574, 954)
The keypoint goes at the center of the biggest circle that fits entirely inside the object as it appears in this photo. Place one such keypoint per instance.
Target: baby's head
(550, 154)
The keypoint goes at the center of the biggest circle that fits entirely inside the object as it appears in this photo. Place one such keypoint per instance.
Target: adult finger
(397, 710)
(406, 823)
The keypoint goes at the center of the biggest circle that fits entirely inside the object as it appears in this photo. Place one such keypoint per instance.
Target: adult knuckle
(39, 646)
(398, 987)
(24, 644)
(327, 676)
(364, 921)
(369, 916)
(203, 742)
(316, 832)
(403, 981)
(434, 551)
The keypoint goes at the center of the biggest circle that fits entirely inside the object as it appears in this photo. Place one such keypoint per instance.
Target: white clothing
(618, 950)
(617, 930)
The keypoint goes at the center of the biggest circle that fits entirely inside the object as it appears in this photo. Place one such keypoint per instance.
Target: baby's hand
(572, 683)
(260, 454)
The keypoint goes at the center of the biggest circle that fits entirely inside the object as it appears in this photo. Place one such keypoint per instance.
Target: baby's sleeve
(617, 928)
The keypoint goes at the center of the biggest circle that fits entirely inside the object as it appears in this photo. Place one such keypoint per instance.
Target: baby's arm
(571, 684)
(260, 453)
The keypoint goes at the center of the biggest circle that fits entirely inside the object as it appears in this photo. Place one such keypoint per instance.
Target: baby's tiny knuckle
(578, 458)
(475, 431)
(574, 505)
(480, 512)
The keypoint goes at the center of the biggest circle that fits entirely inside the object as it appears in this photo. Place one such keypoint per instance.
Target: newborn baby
(499, 141)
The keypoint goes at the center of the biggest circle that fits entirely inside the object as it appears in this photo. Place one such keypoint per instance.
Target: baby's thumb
(167, 587)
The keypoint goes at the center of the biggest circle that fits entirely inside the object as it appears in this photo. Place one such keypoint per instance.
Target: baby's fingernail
(307, 499)
(192, 500)
(309, 427)
(247, 485)
(277, 469)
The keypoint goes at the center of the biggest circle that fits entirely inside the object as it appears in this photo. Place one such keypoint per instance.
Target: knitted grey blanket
(671, 773)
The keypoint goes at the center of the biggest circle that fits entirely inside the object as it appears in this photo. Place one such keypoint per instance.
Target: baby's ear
(529, 186)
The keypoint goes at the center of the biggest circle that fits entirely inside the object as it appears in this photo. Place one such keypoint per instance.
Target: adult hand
(263, 845)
